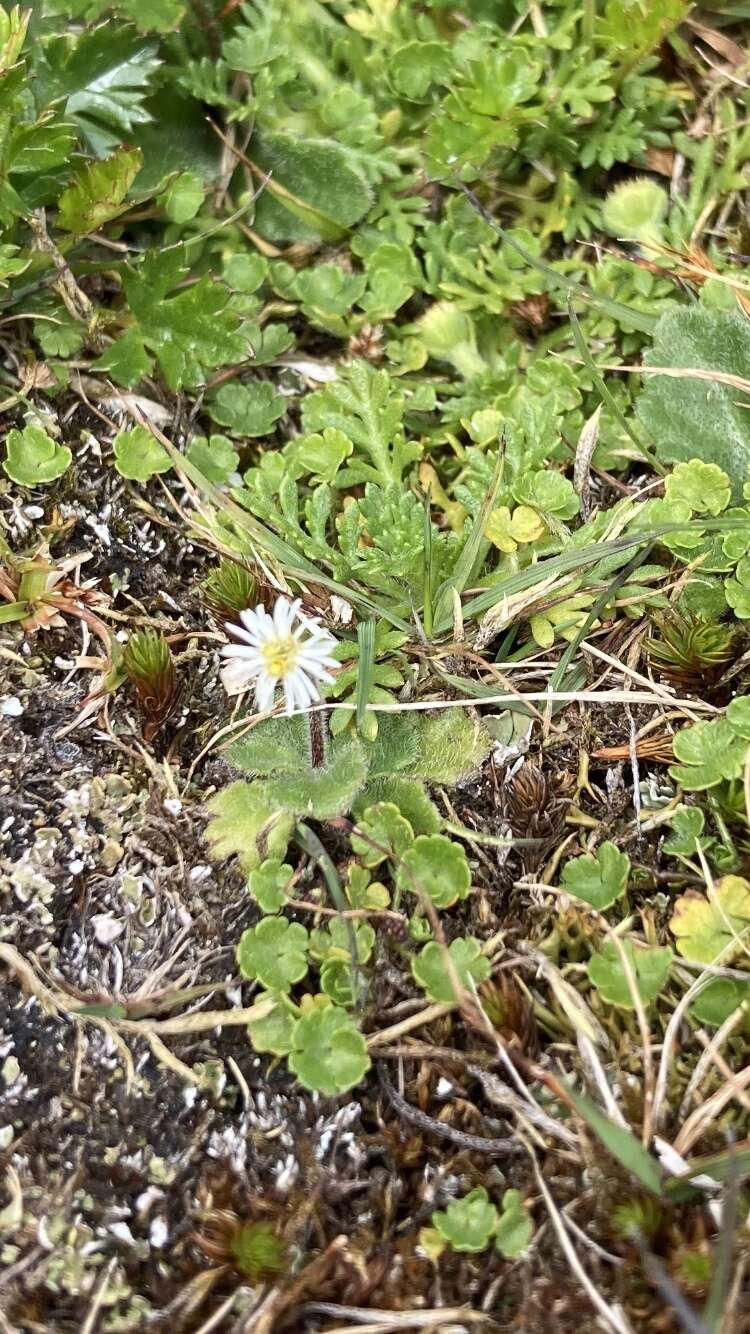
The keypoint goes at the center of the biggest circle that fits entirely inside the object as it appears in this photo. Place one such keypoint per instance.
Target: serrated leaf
(33, 458)
(408, 795)
(706, 927)
(104, 77)
(126, 360)
(245, 823)
(98, 192)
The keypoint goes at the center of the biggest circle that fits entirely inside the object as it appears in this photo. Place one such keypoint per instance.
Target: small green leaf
(329, 1054)
(183, 196)
(329, 289)
(274, 952)
(215, 457)
(686, 831)
(514, 1227)
(337, 981)
(269, 885)
(33, 458)
(336, 939)
(98, 192)
(720, 998)
(621, 1143)
(708, 753)
(272, 1030)
(436, 866)
(364, 892)
(430, 971)
(599, 879)
(138, 455)
(468, 1224)
(738, 716)
(247, 409)
(246, 273)
(126, 360)
(408, 795)
(382, 832)
(705, 928)
(650, 968)
(703, 486)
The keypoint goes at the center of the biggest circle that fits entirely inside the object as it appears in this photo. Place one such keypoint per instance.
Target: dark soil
(133, 1180)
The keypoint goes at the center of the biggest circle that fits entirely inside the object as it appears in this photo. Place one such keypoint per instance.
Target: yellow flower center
(280, 655)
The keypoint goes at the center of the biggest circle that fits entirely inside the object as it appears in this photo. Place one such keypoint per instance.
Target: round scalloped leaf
(708, 753)
(706, 928)
(250, 409)
(650, 968)
(274, 952)
(599, 878)
(431, 972)
(382, 832)
(215, 457)
(514, 1227)
(336, 940)
(329, 1054)
(138, 455)
(468, 1224)
(272, 1029)
(269, 884)
(408, 795)
(337, 981)
(705, 487)
(437, 867)
(34, 458)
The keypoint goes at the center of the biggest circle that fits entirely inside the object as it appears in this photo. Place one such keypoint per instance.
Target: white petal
(317, 672)
(303, 689)
(311, 654)
(244, 635)
(247, 654)
(264, 692)
(251, 620)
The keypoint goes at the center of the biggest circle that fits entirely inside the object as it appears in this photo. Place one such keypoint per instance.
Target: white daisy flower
(274, 651)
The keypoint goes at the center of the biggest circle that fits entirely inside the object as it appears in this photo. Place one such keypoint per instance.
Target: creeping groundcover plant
(375, 664)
